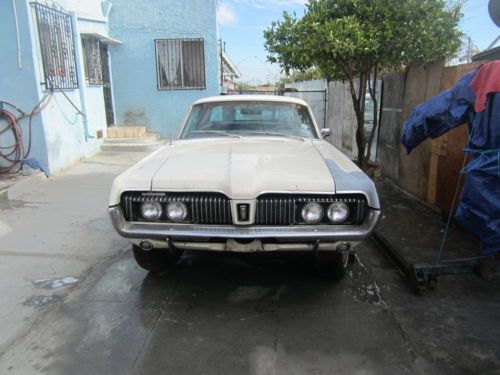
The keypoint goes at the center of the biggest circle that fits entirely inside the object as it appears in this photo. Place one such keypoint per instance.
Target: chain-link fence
(317, 100)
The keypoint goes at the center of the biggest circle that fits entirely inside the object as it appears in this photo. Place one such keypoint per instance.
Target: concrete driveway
(74, 301)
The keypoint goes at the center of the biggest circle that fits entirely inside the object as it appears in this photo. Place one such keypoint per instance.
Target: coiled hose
(13, 154)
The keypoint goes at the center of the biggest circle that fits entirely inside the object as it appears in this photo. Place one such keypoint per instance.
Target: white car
(245, 174)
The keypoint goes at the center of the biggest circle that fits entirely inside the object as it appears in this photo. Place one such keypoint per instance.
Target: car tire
(156, 260)
(332, 265)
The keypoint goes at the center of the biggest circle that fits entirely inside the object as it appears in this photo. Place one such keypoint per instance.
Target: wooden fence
(431, 170)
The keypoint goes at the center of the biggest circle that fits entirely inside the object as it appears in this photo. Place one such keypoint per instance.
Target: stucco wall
(19, 85)
(65, 128)
(138, 24)
(58, 137)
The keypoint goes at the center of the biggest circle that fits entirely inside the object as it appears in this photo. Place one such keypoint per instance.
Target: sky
(241, 23)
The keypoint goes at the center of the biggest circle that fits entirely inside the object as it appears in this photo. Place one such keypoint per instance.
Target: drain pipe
(80, 73)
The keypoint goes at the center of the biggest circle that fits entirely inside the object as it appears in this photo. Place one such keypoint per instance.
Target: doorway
(106, 84)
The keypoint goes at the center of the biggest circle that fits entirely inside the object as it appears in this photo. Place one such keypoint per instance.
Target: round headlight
(177, 211)
(312, 213)
(338, 212)
(151, 210)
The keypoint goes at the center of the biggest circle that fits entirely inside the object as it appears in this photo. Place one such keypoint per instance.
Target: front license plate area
(254, 246)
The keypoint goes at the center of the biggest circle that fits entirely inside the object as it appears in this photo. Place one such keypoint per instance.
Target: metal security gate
(317, 100)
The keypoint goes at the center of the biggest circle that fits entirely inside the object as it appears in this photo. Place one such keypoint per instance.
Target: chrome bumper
(204, 232)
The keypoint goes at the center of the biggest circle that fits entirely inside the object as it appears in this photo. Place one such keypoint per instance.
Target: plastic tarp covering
(479, 209)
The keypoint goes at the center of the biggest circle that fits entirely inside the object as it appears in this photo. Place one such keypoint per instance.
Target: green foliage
(243, 86)
(344, 38)
(355, 39)
(299, 76)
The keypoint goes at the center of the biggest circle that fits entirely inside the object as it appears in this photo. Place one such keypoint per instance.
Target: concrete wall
(341, 118)
(391, 121)
(58, 136)
(138, 24)
(315, 84)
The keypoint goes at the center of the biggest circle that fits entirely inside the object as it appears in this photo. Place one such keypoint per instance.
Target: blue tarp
(479, 209)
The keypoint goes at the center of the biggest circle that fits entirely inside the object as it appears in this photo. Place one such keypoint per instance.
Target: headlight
(338, 212)
(177, 211)
(312, 213)
(151, 210)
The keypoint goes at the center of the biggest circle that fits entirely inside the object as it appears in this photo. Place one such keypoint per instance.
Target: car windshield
(249, 118)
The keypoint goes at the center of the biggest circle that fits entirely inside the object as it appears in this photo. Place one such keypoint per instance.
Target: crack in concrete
(150, 333)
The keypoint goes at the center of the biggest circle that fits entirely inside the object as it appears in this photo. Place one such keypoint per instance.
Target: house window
(92, 61)
(180, 64)
(57, 47)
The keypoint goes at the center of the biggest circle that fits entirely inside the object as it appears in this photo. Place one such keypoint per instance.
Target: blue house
(168, 59)
(72, 69)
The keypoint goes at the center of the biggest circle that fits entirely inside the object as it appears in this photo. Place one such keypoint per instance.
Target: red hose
(12, 154)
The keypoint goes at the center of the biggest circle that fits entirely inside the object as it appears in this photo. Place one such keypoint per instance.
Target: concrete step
(145, 139)
(127, 131)
(133, 147)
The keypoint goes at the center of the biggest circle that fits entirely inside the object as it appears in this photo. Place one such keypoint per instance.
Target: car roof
(250, 98)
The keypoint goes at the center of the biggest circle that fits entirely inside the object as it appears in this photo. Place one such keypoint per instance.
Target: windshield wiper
(218, 132)
(277, 135)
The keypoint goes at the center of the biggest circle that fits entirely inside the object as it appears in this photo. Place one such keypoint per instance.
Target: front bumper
(295, 233)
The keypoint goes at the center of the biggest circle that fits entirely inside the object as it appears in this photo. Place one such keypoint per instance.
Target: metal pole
(221, 66)
(468, 51)
(325, 99)
(80, 71)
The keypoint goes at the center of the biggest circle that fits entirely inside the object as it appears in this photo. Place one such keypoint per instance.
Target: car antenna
(171, 135)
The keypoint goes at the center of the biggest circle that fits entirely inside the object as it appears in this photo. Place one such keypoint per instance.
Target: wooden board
(448, 153)
(422, 83)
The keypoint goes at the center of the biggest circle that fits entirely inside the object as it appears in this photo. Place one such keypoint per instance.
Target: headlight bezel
(179, 219)
(309, 205)
(156, 205)
(330, 212)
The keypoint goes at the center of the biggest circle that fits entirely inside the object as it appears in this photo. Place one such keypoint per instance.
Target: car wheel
(156, 260)
(332, 265)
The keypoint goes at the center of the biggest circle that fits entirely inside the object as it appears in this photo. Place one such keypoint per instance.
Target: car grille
(203, 208)
(215, 208)
(285, 209)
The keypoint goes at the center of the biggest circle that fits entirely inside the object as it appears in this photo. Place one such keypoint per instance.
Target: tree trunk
(373, 95)
(359, 109)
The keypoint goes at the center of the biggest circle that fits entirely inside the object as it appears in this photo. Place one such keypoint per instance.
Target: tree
(465, 52)
(243, 86)
(354, 40)
(299, 76)
(303, 75)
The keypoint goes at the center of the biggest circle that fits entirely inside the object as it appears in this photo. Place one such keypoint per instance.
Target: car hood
(243, 168)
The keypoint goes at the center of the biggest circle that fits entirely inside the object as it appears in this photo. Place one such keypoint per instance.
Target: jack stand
(421, 277)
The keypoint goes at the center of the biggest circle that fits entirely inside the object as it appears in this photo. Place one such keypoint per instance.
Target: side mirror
(325, 132)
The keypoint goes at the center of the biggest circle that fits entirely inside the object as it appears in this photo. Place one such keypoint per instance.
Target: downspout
(80, 73)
